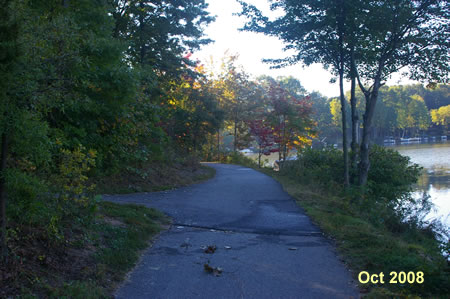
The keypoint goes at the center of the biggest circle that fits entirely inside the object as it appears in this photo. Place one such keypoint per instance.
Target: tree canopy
(369, 40)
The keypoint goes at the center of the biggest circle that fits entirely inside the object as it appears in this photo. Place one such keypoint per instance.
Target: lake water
(435, 179)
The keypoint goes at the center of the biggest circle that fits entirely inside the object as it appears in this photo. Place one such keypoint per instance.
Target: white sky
(253, 47)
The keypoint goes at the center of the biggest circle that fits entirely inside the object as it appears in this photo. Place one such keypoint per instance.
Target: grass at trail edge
(95, 260)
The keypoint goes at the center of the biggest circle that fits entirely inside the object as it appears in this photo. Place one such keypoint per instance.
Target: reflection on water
(435, 179)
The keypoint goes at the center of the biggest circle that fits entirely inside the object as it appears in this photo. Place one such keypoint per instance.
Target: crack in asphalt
(250, 231)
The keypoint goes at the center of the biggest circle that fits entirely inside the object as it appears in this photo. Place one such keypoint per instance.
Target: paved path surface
(266, 245)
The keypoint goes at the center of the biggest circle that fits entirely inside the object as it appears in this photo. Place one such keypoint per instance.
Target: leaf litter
(216, 271)
(211, 249)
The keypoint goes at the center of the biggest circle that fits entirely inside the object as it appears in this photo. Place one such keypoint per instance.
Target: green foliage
(60, 202)
(387, 196)
(124, 243)
(323, 117)
(239, 159)
(389, 190)
(73, 167)
(391, 175)
(79, 290)
(319, 166)
(25, 207)
(86, 91)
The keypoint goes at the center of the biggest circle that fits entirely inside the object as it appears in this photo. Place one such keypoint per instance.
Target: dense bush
(389, 190)
(386, 198)
(319, 166)
(391, 175)
(238, 158)
(54, 202)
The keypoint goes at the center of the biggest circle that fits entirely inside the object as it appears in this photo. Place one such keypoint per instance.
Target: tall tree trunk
(259, 157)
(341, 64)
(344, 128)
(4, 155)
(218, 145)
(355, 119)
(235, 136)
(143, 49)
(279, 152)
(285, 138)
(371, 99)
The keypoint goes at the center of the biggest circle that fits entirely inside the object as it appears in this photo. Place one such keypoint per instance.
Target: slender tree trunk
(280, 146)
(279, 152)
(218, 145)
(364, 164)
(235, 136)
(284, 138)
(344, 129)
(142, 53)
(341, 32)
(259, 157)
(4, 154)
(355, 119)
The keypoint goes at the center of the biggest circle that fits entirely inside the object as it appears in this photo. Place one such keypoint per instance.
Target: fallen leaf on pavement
(211, 249)
(216, 271)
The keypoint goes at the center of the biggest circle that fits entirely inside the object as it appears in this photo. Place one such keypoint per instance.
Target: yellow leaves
(26, 165)
(196, 85)
(73, 167)
(229, 94)
(172, 102)
(200, 68)
(441, 116)
(92, 153)
(303, 141)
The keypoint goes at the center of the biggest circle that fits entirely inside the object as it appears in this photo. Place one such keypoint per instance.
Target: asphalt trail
(266, 246)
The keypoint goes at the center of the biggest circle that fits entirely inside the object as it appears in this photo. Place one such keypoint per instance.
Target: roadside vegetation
(380, 229)
(156, 177)
(89, 262)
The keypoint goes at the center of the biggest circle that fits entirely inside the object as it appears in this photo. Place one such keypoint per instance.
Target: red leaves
(262, 131)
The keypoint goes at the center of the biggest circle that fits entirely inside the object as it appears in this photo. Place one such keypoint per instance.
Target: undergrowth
(92, 260)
